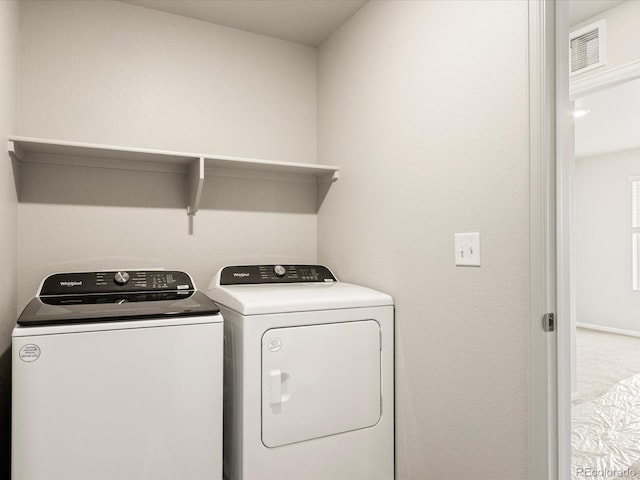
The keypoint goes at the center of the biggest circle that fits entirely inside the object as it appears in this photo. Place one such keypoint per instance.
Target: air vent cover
(588, 47)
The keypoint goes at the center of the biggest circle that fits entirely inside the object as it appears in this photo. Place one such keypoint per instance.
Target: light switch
(467, 247)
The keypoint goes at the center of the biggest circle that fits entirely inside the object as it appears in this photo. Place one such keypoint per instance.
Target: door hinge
(549, 322)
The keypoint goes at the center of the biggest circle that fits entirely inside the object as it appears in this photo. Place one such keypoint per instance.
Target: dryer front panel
(320, 380)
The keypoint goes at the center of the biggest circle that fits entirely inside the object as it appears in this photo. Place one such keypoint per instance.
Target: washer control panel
(85, 283)
(257, 274)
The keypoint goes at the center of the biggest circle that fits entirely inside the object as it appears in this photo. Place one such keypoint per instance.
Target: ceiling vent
(588, 47)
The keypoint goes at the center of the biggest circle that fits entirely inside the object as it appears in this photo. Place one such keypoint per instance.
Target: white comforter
(605, 433)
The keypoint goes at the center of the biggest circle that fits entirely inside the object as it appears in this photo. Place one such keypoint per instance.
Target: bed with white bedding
(605, 433)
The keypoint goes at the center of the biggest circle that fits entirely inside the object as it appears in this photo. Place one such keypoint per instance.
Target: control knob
(279, 270)
(121, 278)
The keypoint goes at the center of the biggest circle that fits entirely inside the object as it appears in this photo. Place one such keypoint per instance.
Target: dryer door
(319, 380)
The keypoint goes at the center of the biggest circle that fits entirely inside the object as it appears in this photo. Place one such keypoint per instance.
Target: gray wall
(605, 295)
(118, 74)
(9, 60)
(422, 104)
(424, 107)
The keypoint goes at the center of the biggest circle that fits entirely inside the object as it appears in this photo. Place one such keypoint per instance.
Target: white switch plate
(467, 247)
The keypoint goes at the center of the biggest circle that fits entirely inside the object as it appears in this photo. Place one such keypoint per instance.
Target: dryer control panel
(257, 274)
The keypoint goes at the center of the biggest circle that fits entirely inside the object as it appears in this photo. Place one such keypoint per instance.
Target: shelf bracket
(323, 184)
(16, 154)
(195, 180)
(14, 151)
(329, 177)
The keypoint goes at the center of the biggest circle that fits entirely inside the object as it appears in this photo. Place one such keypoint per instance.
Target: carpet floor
(603, 360)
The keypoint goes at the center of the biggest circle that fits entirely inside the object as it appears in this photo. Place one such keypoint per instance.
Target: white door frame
(565, 228)
(566, 92)
(543, 412)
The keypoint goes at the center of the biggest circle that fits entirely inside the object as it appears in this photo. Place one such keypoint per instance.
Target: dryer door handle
(275, 386)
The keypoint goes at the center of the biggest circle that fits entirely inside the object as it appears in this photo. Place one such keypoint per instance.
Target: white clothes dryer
(118, 375)
(309, 375)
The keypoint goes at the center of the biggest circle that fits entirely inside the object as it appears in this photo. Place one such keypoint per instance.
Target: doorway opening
(605, 406)
(599, 205)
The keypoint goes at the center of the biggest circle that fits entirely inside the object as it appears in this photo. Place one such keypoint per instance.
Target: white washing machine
(117, 375)
(309, 379)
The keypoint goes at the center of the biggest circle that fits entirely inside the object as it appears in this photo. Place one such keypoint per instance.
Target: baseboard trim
(600, 328)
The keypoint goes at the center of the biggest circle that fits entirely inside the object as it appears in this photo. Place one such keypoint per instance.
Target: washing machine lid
(114, 308)
(282, 295)
(108, 296)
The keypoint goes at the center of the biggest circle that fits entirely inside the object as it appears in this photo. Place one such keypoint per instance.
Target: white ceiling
(613, 121)
(580, 10)
(305, 21)
(302, 21)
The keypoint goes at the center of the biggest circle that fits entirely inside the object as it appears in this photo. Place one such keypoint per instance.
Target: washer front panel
(134, 404)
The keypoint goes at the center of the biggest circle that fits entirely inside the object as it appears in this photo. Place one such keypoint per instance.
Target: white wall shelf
(193, 165)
